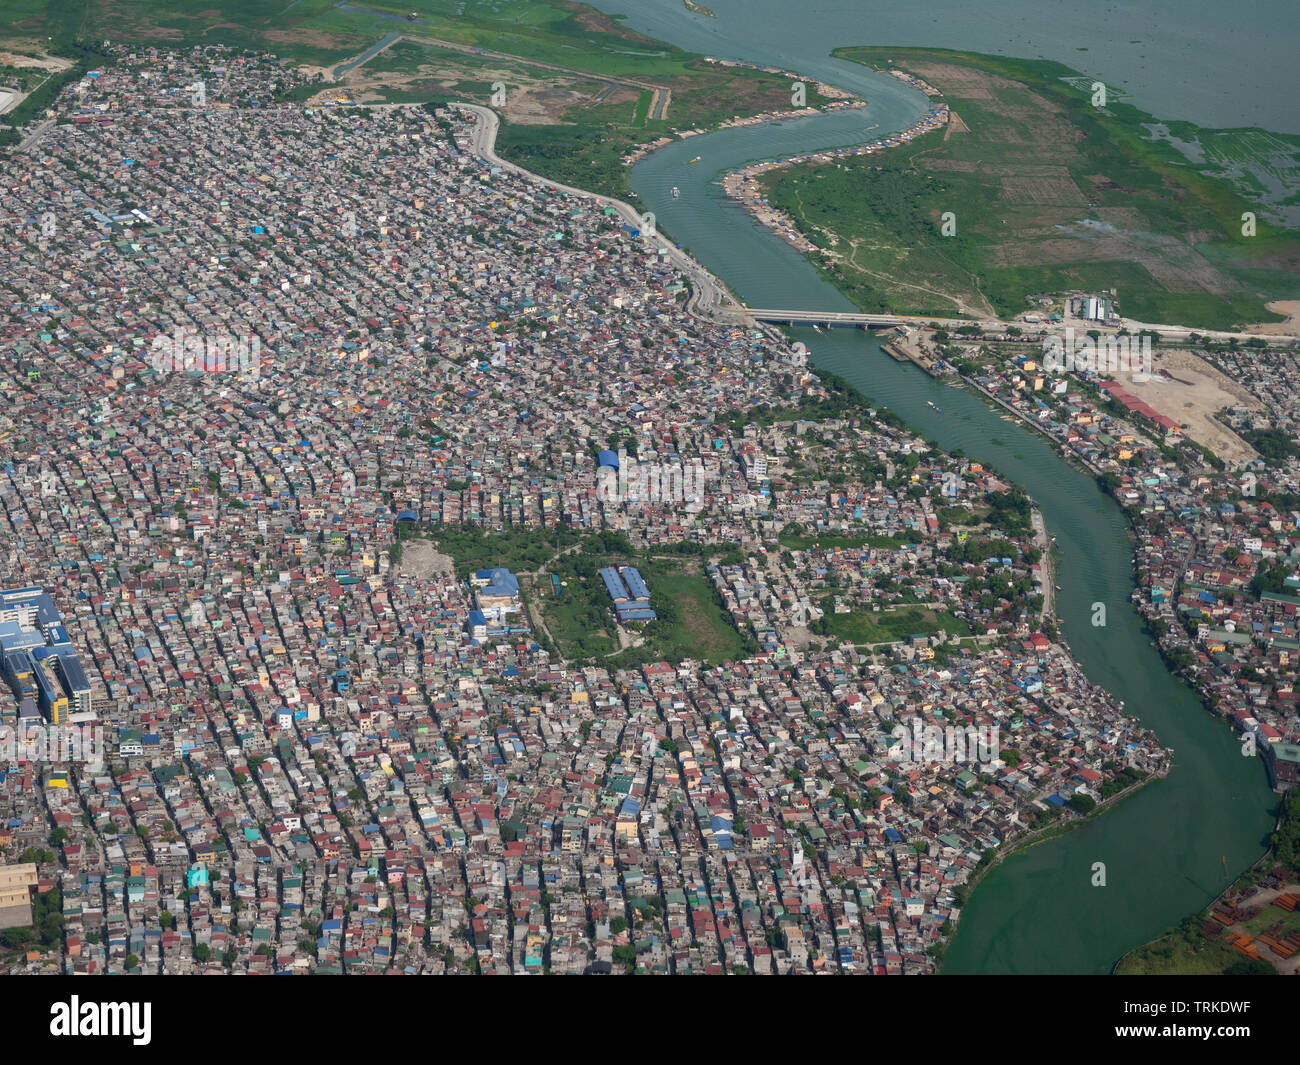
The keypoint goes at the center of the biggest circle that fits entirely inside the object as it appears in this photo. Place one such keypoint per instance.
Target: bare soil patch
(1195, 403)
(42, 61)
(421, 559)
(1291, 327)
(598, 22)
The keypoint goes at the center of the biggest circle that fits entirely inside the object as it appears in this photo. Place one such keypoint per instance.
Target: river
(1164, 848)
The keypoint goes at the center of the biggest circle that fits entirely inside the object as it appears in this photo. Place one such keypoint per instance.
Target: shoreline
(643, 150)
(1050, 832)
(742, 185)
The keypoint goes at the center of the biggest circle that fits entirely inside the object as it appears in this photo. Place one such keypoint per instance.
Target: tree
(1250, 967)
(15, 937)
(1083, 804)
(132, 961)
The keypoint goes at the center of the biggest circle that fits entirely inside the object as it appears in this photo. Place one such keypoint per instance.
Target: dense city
(388, 683)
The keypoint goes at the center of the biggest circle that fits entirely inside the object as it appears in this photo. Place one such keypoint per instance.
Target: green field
(891, 625)
(1048, 194)
(519, 550)
(691, 622)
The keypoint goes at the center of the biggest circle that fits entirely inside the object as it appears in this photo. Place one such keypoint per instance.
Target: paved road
(709, 297)
(33, 138)
(1044, 544)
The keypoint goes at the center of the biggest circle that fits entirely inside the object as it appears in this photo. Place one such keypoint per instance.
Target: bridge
(829, 318)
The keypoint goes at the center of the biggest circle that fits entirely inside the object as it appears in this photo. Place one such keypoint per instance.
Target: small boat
(695, 160)
(676, 192)
(930, 403)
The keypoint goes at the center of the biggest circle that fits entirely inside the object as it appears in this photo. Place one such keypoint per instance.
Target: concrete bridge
(829, 318)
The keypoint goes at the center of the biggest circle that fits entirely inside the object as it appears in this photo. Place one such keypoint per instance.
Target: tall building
(16, 883)
(38, 661)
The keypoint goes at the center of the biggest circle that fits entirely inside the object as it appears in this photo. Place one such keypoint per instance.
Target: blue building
(629, 593)
(37, 658)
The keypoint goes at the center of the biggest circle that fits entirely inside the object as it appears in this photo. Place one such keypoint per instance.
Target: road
(709, 297)
(1044, 544)
(33, 138)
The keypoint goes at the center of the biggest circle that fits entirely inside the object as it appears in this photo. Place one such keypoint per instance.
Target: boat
(676, 192)
(929, 403)
(695, 160)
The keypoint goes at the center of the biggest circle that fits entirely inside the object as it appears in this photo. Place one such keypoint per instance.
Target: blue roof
(607, 458)
(635, 584)
(500, 581)
(613, 584)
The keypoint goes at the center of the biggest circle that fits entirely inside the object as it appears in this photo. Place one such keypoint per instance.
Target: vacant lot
(1190, 391)
(893, 625)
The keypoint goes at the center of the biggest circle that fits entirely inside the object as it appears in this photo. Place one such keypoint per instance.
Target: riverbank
(1050, 832)
(740, 122)
(1009, 203)
(743, 186)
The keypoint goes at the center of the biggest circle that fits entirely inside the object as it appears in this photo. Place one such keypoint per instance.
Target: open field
(1192, 395)
(892, 625)
(1290, 308)
(1049, 194)
(691, 623)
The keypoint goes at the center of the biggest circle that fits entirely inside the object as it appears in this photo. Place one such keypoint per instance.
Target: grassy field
(519, 550)
(1180, 954)
(893, 625)
(1049, 194)
(691, 622)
